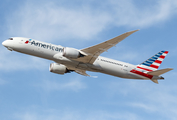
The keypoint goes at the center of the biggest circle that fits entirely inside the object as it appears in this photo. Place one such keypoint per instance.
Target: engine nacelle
(72, 53)
(58, 68)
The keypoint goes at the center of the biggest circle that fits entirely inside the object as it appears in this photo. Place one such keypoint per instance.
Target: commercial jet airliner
(68, 59)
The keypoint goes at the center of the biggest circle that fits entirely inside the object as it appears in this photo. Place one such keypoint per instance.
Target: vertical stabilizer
(153, 63)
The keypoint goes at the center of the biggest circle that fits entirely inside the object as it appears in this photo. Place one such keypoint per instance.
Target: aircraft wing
(94, 51)
(82, 72)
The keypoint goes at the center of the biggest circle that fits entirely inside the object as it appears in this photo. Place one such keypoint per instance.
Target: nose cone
(8, 45)
(4, 43)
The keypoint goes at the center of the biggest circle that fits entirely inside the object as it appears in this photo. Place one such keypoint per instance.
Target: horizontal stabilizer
(155, 81)
(159, 72)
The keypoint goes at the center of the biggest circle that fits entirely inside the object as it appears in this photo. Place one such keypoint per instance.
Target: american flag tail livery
(149, 67)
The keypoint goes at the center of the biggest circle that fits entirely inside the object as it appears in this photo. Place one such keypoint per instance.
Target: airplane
(67, 59)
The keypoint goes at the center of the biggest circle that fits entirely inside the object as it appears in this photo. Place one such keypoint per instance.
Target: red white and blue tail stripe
(148, 69)
(152, 63)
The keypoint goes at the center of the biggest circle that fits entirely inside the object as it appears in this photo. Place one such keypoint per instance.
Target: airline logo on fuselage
(43, 45)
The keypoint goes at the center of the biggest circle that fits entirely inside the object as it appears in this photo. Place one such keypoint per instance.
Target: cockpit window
(10, 39)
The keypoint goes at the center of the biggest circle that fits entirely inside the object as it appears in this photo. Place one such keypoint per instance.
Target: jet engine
(58, 68)
(72, 53)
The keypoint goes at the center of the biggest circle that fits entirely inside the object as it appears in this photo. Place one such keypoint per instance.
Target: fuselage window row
(111, 62)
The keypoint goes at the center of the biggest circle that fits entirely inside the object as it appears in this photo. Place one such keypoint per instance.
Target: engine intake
(72, 53)
(58, 68)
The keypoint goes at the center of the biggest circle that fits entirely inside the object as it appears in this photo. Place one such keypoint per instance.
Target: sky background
(28, 91)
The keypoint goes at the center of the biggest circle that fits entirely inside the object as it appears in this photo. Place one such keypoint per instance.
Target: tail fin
(154, 62)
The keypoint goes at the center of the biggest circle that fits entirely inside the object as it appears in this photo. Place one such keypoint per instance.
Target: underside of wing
(82, 72)
(94, 51)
